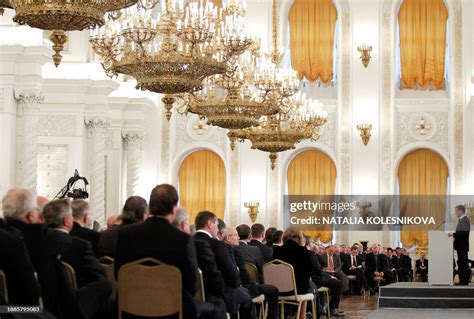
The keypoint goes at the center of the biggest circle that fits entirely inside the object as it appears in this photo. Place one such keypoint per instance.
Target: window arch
(202, 183)
(312, 172)
(422, 36)
(312, 40)
(422, 173)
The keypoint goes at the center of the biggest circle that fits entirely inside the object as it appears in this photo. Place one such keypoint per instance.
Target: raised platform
(417, 295)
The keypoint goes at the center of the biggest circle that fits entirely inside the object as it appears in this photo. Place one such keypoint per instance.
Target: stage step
(422, 295)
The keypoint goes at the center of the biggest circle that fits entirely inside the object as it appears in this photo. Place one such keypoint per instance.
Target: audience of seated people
(36, 236)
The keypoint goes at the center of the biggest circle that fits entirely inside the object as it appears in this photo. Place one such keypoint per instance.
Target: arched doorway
(422, 185)
(312, 172)
(202, 183)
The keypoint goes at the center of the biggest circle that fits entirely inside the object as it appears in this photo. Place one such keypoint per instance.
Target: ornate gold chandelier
(4, 4)
(60, 16)
(281, 132)
(298, 118)
(171, 54)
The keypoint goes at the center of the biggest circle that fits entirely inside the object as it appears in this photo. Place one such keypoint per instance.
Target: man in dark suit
(269, 236)
(134, 210)
(332, 264)
(461, 244)
(44, 246)
(94, 289)
(421, 266)
(277, 238)
(157, 238)
(257, 234)
(23, 288)
(401, 262)
(353, 266)
(392, 262)
(237, 298)
(83, 222)
(214, 307)
(231, 238)
(376, 266)
(248, 252)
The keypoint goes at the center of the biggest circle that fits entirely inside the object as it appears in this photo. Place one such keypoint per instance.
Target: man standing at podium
(461, 244)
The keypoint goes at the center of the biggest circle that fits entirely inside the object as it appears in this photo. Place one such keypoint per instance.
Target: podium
(440, 250)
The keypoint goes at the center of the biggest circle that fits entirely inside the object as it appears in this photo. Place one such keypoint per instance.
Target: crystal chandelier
(298, 118)
(239, 98)
(170, 54)
(61, 16)
(281, 132)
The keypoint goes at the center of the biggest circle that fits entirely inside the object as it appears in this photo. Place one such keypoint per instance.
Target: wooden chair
(70, 274)
(281, 275)
(108, 264)
(351, 279)
(149, 288)
(3, 286)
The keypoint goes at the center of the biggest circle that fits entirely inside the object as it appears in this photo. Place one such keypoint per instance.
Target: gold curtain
(422, 172)
(202, 184)
(313, 173)
(422, 25)
(312, 28)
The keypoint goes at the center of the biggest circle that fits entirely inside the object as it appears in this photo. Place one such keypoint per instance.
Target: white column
(133, 141)
(28, 108)
(97, 128)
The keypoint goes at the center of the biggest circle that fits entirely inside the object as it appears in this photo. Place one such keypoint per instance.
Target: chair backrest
(108, 264)
(149, 288)
(70, 274)
(3, 286)
(253, 272)
(281, 275)
(200, 294)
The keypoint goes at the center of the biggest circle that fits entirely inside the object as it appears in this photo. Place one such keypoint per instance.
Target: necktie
(376, 263)
(354, 264)
(330, 264)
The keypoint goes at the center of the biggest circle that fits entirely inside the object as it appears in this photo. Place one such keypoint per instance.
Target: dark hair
(354, 247)
(203, 218)
(163, 199)
(257, 230)
(243, 231)
(277, 236)
(461, 208)
(134, 209)
(221, 225)
(389, 249)
(79, 207)
(55, 211)
(269, 233)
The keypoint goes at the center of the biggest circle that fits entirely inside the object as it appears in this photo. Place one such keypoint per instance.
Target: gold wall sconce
(364, 208)
(252, 209)
(365, 132)
(365, 50)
